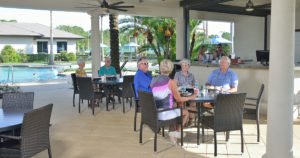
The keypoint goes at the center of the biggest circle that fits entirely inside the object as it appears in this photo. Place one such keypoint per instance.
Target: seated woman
(186, 79)
(201, 55)
(164, 91)
(80, 72)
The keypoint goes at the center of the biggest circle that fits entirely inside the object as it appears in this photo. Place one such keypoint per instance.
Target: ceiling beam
(202, 3)
(219, 8)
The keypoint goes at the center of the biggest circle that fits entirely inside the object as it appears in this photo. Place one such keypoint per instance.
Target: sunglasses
(144, 63)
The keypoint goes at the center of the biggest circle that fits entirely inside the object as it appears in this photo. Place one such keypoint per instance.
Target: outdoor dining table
(11, 119)
(199, 100)
(109, 85)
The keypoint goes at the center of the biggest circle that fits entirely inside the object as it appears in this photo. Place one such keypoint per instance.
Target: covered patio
(251, 33)
(110, 134)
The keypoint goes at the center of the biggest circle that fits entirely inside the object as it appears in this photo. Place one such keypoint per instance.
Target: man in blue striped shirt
(224, 78)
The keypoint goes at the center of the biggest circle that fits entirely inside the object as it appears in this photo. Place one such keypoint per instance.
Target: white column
(95, 41)
(179, 37)
(281, 80)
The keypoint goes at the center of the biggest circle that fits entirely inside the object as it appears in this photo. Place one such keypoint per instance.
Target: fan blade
(117, 3)
(268, 5)
(90, 4)
(124, 10)
(124, 6)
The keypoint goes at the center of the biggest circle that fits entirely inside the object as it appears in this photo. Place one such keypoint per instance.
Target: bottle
(196, 84)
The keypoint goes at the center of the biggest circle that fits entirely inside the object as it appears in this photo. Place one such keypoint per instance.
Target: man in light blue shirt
(142, 78)
(224, 78)
(107, 69)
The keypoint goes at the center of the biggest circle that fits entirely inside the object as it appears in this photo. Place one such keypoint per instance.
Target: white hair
(185, 61)
(225, 58)
(80, 61)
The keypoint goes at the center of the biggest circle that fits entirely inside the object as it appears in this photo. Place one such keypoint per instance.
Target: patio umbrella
(218, 40)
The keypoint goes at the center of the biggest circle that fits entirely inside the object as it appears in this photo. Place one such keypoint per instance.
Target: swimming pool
(28, 74)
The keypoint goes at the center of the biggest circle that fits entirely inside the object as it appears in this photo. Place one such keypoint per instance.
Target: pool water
(27, 74)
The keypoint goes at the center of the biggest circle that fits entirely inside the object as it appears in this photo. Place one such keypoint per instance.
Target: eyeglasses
(144, 63)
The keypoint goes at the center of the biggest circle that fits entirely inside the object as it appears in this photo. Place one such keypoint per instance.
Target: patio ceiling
(72, 5)
(261, 7)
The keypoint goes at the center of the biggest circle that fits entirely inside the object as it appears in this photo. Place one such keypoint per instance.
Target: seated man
(107, 69)
(223, 78)
(142, 78)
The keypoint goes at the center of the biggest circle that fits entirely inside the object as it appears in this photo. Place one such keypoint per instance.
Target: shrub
(9, 54)
(38, 57)
(63, 56)
(23, 57)
(71, 56)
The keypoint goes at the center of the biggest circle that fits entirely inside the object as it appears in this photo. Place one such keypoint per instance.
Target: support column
(281, 80)
(186, 37)
(95, 41)
(179, 37)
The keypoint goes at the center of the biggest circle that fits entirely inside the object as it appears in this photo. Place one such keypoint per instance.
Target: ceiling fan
(105, 5)
(250, 6)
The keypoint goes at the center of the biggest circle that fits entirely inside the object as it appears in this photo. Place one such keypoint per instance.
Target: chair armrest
(11, 137)
(250, 98)
(169, 109)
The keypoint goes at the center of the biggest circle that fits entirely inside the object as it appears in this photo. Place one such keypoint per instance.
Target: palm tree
(114, 42)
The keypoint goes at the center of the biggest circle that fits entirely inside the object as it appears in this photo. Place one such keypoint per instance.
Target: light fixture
(249, 6)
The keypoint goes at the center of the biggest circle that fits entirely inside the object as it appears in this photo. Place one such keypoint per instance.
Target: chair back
(127, 90)
(74, 82)
(18, 101)
(35, 131)
(229, 112)
(85, 87)
(261, 90)
(137, 104)
(149, 110)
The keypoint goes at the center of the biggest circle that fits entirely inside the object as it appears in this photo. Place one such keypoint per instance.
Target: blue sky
(76, 18)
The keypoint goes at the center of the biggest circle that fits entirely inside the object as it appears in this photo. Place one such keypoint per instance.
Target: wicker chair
(251, 110)
(228, 116)
(86, 92)
(34, 135)
(126, 91)
(137, 108)
(150, 117)
(18, 101)
(75, 87)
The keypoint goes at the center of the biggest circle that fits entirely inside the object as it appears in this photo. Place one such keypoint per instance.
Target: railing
(12, 74)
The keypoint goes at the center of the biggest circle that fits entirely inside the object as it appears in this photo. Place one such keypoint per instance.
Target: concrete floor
(110, 134)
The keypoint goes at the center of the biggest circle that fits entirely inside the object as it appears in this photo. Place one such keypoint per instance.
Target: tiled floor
(110, 134)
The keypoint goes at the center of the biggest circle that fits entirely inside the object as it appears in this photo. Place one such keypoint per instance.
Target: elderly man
(224, 78)
(107, 69)
(142, 78)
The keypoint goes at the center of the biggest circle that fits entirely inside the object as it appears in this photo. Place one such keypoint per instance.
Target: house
(33, 38)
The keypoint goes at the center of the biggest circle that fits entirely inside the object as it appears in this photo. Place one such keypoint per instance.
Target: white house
(34, 38)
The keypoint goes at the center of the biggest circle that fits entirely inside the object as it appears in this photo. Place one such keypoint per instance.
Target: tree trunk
(192, 43)
(114, 42)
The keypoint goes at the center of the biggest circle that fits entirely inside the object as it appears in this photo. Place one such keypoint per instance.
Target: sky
(82, 19)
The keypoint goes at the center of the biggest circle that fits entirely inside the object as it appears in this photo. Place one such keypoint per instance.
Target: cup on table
(183, 88)
(118, 76)
(103, 78)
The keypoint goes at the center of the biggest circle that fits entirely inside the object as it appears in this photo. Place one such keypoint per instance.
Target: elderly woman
(80, 72)
(164, 90)
(184, 77)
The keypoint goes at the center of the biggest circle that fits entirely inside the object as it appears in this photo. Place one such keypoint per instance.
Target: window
(61, 46)
(42, 47)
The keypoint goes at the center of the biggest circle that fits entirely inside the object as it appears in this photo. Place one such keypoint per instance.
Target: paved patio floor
(110, 134)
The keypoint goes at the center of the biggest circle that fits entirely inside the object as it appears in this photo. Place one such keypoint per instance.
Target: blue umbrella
(218, 40)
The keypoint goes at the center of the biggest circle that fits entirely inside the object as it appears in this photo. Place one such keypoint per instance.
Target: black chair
(86, 92)
(34, 135)
(18, 101)
(150, 117)
(228, 116)
(251, 109)
(137, 108)
(126, 91)
(75, 87)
